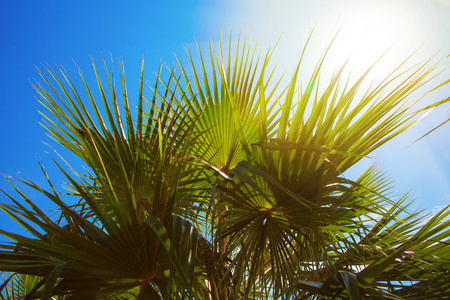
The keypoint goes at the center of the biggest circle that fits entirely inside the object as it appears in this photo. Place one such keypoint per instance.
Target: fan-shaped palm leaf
(226, 189)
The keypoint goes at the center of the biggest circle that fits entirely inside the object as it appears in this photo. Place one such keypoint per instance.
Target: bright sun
(368, 30)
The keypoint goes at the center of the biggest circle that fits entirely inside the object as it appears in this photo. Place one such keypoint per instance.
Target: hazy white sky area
(366, 28)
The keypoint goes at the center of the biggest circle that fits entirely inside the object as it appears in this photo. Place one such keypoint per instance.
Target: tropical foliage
(225, 184)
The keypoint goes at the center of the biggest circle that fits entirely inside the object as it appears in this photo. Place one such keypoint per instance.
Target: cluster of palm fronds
(222, 185)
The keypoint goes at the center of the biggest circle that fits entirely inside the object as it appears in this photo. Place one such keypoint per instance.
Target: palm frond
(225, 184)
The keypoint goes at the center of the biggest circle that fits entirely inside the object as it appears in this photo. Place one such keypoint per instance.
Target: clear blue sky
(35, 32)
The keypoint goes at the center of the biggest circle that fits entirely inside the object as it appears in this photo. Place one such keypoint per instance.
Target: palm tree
(223, 186)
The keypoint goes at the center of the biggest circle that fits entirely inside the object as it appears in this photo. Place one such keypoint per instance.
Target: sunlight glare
(367, 32)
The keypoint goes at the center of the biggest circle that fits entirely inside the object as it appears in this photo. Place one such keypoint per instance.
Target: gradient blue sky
(61, 32)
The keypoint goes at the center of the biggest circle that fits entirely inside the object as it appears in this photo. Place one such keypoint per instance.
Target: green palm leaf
(227, 185)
